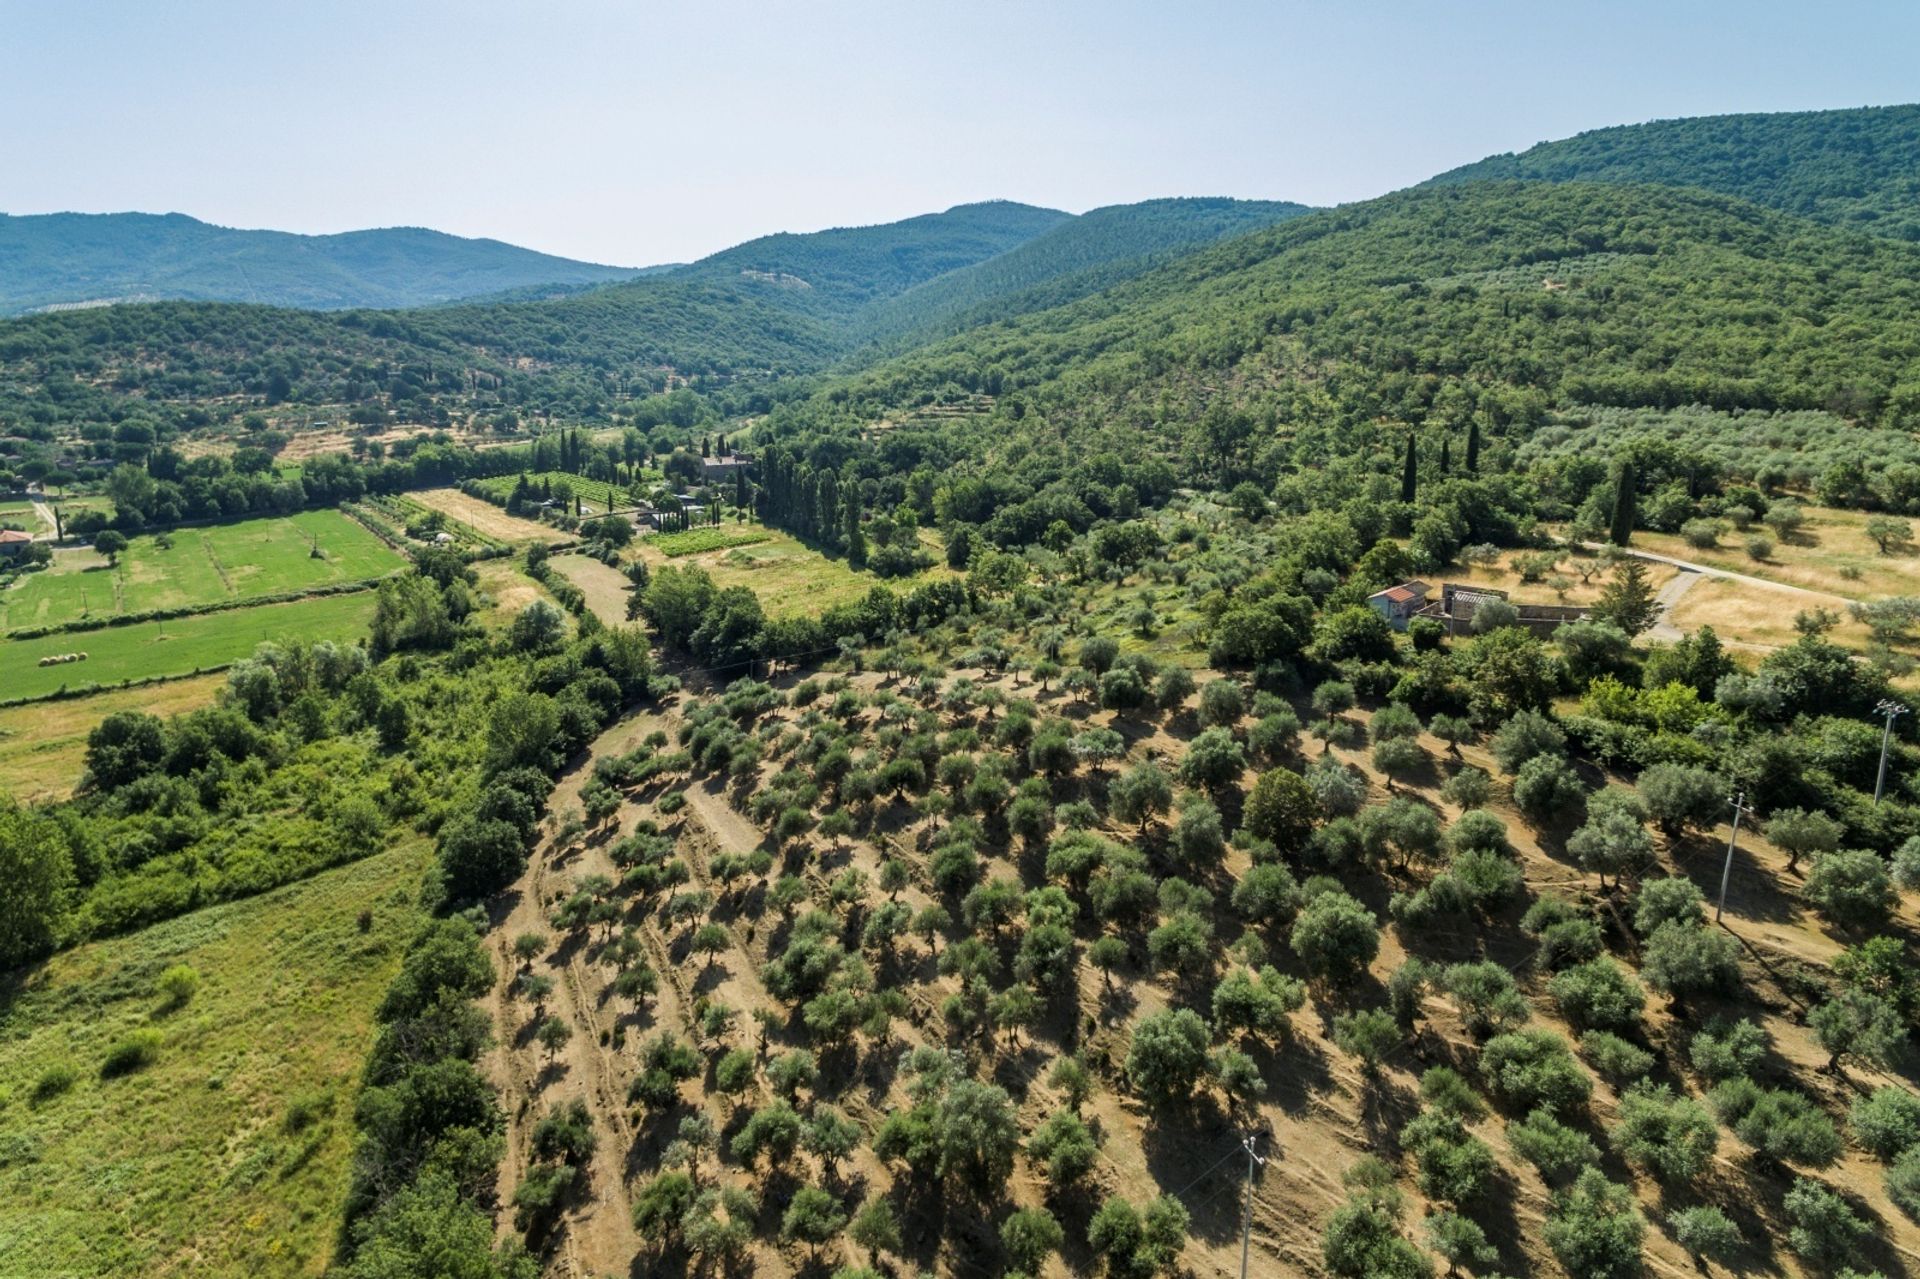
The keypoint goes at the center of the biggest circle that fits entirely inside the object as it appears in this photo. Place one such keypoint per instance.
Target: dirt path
(1667, 596)
(597, 1236)
(1707, 570)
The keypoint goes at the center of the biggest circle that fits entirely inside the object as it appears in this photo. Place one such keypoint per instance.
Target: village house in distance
(1458, 603)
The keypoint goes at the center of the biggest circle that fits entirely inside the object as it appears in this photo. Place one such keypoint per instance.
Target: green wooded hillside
(67, 258)
(1094, 251)
(1857, 168)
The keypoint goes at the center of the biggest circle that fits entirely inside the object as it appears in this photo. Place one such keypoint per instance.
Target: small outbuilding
(1399, 603)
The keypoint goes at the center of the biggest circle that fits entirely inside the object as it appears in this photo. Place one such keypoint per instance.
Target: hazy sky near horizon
(636, 133)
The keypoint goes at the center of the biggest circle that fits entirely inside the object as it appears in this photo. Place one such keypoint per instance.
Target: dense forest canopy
(1858, 168)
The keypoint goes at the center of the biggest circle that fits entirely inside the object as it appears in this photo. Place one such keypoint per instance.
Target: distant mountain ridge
(1073, 258)
(60, 260)
(1858, 167)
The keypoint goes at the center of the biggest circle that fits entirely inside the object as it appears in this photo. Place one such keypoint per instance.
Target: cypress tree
(855, 534)
(1473, 447)
(1446, 453)
(1620, 531)
(1410, 476)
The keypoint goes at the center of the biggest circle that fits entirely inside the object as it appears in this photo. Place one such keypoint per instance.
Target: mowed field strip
(790, 578)
(484, 517)
(212, 565)
(146, 649)
(43, 745)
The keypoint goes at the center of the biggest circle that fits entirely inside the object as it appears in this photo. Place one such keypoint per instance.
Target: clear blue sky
(642, 132)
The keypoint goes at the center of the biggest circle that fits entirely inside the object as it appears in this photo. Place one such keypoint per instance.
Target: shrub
(1616, 1059)
(1851, 887)
(1557, 1150)
(1706, 1232)
(1368, 1033)
(1903, 1183)
(1672, 1137)
(1029, 1235)
(1782, 1126)
(1825, 1228)
(1532, 1068)
(1470, 787)
(1454, 1166)
(55, 1080)
(1886, 1122)
(1598, 994)
(133, 1051)
(1595, 1229)
(178, 984)
(1728, 1049)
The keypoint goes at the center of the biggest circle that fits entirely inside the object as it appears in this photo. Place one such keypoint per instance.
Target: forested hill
(776, 304)
(71, 258)
(1076, 257)
(1432, 307)
(860, 264)
(1857, 168)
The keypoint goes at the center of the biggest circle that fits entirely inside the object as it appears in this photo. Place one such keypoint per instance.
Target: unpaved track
(597, 1235)
(1669, 595)
(1707, 570)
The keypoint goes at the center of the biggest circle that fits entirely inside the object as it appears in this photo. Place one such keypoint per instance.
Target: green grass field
(229, 1154)
(145, 649)
(204, 566)
(790, 578)
(698, 541)
(592, 493)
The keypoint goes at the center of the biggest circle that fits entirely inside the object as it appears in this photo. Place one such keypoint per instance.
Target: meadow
(1831, 552)
(696, 541)
(43, 745)
(492, 523)
(143, 650)
(220, 563)
(592, 493)
(791, 578)
(229, 1154)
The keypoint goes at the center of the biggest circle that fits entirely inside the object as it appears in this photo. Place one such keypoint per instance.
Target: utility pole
(1739, 802)
(1246, 1215)
(1892, 710)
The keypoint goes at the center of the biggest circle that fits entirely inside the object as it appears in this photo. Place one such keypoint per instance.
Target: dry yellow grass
(1833, 544)
(1503, 576)
(1744, 615)
(483, 517)
(43, 745)
(605, 588)
(509, 589)
(790, 579)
